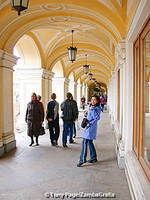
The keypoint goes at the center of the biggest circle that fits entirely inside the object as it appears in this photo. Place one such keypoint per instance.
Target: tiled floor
(29, 172)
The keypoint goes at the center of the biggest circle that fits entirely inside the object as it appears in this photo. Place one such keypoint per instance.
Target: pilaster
(75, 90)
(46, 85)
(121, 60)
(7, 138)
(60, 86)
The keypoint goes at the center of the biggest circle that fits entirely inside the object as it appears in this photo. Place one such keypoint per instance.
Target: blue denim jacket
(93, 115)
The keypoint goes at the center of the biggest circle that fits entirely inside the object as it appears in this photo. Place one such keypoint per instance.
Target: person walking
(90, 131)
(102, 102)
(34, 118)
(52, 117)
(69, 115)
(39, 98)
(83, 102)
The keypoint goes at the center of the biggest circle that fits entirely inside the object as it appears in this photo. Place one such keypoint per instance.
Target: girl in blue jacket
(90, 131)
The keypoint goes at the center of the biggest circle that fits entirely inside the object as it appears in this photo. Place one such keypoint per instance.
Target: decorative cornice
(7, 60)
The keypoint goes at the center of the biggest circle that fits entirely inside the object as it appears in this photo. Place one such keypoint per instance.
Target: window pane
(147, 99)
(17, 3)
(25, 3)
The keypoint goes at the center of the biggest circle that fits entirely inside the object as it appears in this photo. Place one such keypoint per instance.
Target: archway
(27, 78)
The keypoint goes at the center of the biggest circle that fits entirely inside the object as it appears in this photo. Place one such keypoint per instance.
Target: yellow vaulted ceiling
(99, 25)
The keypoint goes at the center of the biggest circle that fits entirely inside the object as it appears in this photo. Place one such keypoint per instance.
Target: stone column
(60, 86)
(114, 95)
(46, 86)
(129, 98)
(109, 101)
(66, 87)
(87, 94)
(84, 90)
(78, 94)
(71, 87)
(75, 90)
(50, 78)
(81, 92)
(7, 137)
(122, 130)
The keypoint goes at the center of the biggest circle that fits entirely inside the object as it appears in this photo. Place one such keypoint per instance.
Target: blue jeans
(83, 155)
(67, 130)
(74, 129)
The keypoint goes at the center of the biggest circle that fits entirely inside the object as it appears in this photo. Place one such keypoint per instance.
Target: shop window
(141, 104)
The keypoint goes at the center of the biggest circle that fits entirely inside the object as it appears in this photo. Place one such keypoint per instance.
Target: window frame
(138, 96)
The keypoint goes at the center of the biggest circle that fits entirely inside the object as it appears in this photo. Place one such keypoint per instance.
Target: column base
(2, 151)
(5, 148)
(137, 180)
(120, 161)
(10, 146)
(121, 155)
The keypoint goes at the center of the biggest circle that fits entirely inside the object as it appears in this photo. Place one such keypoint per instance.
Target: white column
(110, 97)
(60, 87)
(87, 94)
(122, 130)
(66, 87)
(114, 99)
(83, 86)
(46, 86)
(75, 90)
(84, 90)
(81, 92)
(78, 93)
(71, 87)
(129, 98)
(7, 137)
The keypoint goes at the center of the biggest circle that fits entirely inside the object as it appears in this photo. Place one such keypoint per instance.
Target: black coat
(69, 110)
(34, 117)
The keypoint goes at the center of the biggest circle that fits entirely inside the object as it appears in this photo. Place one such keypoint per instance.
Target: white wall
(138, 182)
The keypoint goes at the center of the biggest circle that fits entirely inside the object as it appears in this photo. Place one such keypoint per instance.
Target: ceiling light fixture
(72, 51)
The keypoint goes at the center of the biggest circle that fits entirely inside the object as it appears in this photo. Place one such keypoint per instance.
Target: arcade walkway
(29, 172)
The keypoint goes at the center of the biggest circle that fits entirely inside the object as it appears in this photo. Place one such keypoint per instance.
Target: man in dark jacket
(53, 119)
(69, 115)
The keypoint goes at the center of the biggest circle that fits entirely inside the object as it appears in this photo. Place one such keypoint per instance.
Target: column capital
(75, 84)
(120, 54)
(7, 60)
(113, 73)
(66, 81)
(47, 74)
(71, 81)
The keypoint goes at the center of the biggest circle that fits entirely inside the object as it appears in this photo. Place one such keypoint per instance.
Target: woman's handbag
(84, 122)
(42, 130)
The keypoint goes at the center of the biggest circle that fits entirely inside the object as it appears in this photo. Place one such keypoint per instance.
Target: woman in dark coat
(34, 118)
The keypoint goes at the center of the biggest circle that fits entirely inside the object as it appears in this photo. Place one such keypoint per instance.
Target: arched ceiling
(99, 25)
